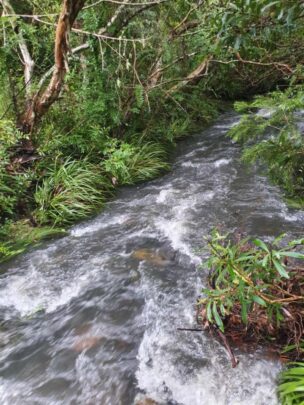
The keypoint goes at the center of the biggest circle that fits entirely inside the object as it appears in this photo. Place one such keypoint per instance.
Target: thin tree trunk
(42, 101)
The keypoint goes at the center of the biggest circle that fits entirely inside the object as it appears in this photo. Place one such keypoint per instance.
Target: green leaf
(265, 261)
(278, 239)
(244, 258)
(296, 255)
(259, 300)
(217, 318)
(280, 268)
(259, 243)
(297, 242)
(237, 43)
(244, 312)
(222, 308)
(269, 5)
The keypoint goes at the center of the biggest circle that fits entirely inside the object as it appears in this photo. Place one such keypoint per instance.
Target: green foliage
(16, 237)
(13, 186)
(70, 191)
(291, 385)
(244, 273)
(139, 96)
(129, 164)
(275, 139)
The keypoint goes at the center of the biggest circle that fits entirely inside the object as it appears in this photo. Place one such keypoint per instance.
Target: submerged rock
(150, 256)
(146, 401)
(86, 342)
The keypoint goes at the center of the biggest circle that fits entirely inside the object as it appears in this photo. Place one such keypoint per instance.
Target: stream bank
(92, 318)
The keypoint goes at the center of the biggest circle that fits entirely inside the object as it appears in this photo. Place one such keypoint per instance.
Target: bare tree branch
(194, 76)
(27, 60)
(126, 2)
(101, 34)
(127, 20)
(277, 65)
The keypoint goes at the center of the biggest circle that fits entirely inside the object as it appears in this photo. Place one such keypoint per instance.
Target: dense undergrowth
(255, 297)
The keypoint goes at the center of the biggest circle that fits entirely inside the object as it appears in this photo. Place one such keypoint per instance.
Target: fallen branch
(234, 360)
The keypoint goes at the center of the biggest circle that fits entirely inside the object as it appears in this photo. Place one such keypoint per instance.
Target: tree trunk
(42, 100)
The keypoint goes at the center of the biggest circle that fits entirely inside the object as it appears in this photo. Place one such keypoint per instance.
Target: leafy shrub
(71, 190)
(275, 138)
(133, 163)
(250, 281)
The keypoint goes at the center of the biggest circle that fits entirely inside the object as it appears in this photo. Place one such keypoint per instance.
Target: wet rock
(150, 256)
(82, 329)
(146, 401)
(168, 252)
(86, 342)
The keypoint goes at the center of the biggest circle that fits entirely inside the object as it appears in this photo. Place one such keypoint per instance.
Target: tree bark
(43, 100)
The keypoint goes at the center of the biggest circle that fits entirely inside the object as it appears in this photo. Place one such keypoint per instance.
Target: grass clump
(132, 163)
(16, 237)
(70, 191)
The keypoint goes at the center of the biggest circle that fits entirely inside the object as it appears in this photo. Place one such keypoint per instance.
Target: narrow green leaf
(265, 261)
(280, 268)
(217, 318)
(209, 313)
(296, 255)
(259, 300)
(244, 312)
(259, 243)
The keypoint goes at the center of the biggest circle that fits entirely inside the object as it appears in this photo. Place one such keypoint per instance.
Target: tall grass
(70, 191)
(16, 237)
(148, 162)
(130, 163)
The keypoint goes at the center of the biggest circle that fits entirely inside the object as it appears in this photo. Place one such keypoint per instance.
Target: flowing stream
(92, 318)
